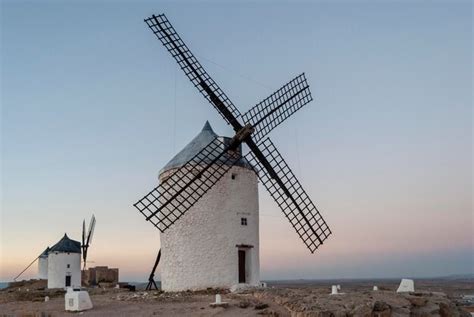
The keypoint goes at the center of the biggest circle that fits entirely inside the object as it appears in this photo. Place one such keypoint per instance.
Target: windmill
(87, 240)
(175, 195)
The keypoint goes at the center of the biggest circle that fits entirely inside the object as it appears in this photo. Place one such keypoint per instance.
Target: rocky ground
(120, 302)
(281, 299)
(313, 302)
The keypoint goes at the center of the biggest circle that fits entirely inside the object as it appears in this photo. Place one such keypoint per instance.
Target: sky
(93, 107)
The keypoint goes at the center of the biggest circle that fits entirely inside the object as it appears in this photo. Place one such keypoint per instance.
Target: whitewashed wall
(199, 250)
(57, 269)
(43, 268)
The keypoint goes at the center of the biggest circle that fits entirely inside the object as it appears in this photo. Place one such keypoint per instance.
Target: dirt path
(124, 304)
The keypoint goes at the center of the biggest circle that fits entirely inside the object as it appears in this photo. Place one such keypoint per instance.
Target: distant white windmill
(61, 264)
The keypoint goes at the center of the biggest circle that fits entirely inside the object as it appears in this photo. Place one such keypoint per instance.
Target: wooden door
(241, 266)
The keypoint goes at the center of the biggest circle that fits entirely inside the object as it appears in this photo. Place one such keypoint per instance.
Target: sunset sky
(93, 107)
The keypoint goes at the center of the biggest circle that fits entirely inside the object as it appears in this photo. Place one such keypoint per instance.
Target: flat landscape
(433, 297)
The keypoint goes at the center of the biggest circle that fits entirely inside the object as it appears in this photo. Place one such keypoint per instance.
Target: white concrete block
(406, 285)
(219, 302)
(77, 300)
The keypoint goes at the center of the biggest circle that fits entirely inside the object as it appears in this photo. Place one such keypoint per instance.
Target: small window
(234, 176)
(243, 221)
(69, 265)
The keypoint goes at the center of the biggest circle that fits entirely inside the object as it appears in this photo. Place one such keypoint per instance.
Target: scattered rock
(243, 288)
(244, 304)
(261, 306)
(444, 310)
(223, 304)
(381, 309)
(268, 312)
(417, 301)
(380, 306)
(361, 310)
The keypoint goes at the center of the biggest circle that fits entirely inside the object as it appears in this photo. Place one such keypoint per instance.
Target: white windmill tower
(43, 265)
(64, 264)
(216, 243)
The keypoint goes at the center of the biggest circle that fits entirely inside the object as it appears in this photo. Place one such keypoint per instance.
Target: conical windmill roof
(44, 254)
(199, 142)
(66, 245)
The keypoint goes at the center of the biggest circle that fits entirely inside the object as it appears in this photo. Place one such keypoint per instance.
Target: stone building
(100, 276)
(216, 242)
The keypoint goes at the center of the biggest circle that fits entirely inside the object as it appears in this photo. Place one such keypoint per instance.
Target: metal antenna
(166, 203)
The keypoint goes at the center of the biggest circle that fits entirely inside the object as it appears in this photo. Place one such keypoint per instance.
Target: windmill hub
(242, 135)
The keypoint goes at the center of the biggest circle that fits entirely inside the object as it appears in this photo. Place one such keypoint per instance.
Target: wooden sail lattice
(182, 188)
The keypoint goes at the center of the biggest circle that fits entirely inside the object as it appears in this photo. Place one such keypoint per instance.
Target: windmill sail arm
(278, 107)
(179, 191)
(287, 191)
(84, 258)
(186, 60)
(83, 233)
(181, 188)
(91, 230)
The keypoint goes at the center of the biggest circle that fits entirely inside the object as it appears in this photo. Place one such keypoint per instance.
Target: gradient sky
(93, 106)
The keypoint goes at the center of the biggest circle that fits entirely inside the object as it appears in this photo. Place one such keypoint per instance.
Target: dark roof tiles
(44, 254)
(206, 136)
(66, 245)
